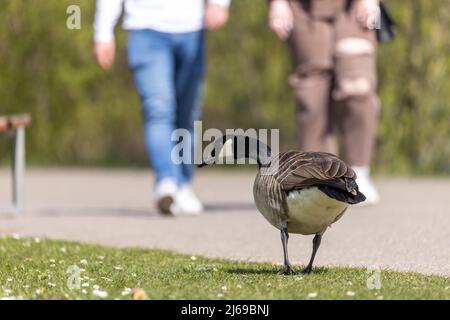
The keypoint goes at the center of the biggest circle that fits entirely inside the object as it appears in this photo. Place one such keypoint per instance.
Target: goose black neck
(251, 148)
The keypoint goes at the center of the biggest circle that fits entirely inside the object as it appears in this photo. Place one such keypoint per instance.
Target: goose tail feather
(343, 195)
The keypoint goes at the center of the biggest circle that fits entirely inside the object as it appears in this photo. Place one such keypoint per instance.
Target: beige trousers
(335, 79)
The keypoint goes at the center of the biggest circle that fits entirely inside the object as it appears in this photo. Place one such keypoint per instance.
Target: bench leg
(19, 170)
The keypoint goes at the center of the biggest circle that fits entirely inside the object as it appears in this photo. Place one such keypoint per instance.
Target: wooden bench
(14, 127)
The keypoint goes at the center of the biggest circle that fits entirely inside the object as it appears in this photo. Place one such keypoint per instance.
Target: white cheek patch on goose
(226, 153)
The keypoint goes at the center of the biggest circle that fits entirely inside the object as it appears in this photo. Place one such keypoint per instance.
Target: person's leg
(151, 60)
(355, 93)
(311, 44)
(189, 72)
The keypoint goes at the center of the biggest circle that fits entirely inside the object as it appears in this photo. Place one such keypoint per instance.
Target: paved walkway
(410, 230)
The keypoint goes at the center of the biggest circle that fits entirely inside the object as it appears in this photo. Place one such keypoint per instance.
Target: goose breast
(310, 211)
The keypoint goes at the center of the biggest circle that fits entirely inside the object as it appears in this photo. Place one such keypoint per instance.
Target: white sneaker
(366, 186)
(186, 202)
(165, 192)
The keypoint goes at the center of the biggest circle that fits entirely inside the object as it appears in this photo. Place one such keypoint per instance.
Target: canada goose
(297, 192)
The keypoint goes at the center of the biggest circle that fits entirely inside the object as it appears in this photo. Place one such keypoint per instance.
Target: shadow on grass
(274, 270)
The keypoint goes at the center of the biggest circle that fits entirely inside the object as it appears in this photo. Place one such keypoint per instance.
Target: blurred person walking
(166, 42)
(333, 45)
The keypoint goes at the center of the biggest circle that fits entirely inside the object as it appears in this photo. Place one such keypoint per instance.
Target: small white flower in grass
(37, 240)
(220, 295)
(239, 286)
(447, 288)
(202, 269)
(133, 274)
(7, 291)
(118, 268)
(224, 288)
(38, 291)
(9, 279)
(312, 295)
(51, 284)
(52, 265)
(83, 261)
(96, 287)
(100, 293)
(85, 285)
(26, 286)
(350, 283)
(101, 257)
(84, 291)
(63, 249)
(193, 258)
(105, 278)
(82, 270)
(85, 278)
(350, 293)
(52, 260)
(126, 291)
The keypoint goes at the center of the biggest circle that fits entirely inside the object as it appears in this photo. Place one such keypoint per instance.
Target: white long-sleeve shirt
(172, 16)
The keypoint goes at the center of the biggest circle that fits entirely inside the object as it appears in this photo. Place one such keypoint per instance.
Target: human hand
(216, 16)
(281, 18)
(104, 53)
(368, 13)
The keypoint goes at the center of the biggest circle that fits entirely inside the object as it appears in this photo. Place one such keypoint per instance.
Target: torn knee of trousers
(352, 87)
(354, 78)
(354, 46)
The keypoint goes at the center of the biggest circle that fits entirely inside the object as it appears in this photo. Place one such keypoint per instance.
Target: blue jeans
(168, 72)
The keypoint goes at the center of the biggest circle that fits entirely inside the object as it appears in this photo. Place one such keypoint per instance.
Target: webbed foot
(307, 270)
(287, 270)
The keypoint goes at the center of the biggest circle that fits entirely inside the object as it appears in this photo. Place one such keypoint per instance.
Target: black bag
(387, 29)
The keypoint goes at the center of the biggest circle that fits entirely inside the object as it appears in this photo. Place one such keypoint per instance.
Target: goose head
(230, 148)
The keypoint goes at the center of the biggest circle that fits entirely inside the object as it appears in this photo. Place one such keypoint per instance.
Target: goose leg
(287, 269)
(316, 244)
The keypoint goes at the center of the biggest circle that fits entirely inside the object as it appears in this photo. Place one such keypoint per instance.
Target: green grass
(37, 269)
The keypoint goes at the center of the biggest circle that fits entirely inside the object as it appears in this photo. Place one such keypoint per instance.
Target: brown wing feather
(297, 170)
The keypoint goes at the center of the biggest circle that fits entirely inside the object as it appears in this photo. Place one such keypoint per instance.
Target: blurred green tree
(85, 117)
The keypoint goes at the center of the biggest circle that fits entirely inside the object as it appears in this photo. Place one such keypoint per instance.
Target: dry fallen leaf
(138, 294)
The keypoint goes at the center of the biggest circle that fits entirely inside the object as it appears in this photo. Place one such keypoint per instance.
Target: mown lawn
(41, 269)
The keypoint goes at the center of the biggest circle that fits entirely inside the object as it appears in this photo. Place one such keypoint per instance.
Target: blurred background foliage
(84, 117)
